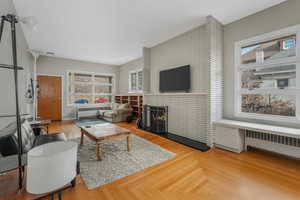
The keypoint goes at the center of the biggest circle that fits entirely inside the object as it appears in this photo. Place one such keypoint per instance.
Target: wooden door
(49, 97)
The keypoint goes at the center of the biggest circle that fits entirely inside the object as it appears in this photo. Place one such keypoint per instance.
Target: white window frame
(271, 63)
(93, 74)
(130, 90)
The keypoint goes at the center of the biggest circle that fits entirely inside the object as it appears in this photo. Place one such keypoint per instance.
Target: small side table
(38, 124)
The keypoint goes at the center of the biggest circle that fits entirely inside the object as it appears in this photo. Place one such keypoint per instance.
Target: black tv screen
(176, 79)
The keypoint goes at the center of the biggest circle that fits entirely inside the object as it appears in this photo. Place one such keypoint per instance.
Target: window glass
(272, 77)
(140, 80)
(103, 79)
(87, 88)
(133, 81)
(289, 44)
(267, 89)
(269, 104)
(270, 50)
(102, 89)
(136, 81)
(82, 77)
(82, 88)
(81, 99)
(102, 99)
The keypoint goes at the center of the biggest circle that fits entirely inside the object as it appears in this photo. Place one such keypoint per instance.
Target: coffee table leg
(99, 151)
(129, 143)
(81, 138)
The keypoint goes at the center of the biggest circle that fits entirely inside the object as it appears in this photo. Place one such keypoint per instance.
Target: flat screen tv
(175, 79)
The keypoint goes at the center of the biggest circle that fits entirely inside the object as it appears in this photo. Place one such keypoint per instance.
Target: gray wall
(60, 66)
(7, 105)
(272, 19)
(124, 73)
(188, 48)
(146, 69)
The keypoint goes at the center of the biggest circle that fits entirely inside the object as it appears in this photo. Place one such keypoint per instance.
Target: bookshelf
(135, 100)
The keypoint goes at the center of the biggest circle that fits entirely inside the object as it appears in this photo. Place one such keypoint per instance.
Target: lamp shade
(51, 166)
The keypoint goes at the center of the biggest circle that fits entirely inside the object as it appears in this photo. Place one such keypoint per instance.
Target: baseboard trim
(183, 140)
(188, 142)
(68, 119)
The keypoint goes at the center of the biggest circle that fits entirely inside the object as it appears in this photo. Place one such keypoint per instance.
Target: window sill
(136, 92)
(271, 118)
(89, 105)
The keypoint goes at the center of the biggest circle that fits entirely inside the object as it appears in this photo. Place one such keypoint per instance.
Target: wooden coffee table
(101, 132)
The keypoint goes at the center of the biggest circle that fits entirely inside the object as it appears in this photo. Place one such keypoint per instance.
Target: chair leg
(78, 168)
(81, 138)
(73, 182)
(60, 196)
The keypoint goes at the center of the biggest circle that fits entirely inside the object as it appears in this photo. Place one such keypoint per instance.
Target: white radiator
(280, 144)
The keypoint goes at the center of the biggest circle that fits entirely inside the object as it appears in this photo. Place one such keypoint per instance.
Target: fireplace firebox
(155, 119)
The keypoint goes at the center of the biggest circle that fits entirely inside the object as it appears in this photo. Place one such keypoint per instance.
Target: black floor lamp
(13, 20)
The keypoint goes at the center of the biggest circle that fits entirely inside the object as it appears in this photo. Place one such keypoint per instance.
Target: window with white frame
(89, 88)
(268, 76)
(136, 81)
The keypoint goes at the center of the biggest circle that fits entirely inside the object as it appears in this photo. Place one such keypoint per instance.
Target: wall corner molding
(214, 31)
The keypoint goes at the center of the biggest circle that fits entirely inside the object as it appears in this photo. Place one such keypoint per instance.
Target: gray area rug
(89, 122)
(117, 162)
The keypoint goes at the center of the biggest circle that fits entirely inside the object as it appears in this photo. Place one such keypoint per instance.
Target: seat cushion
(28, 136)
(44, 139)
(115, 106)
(101, 112)
(110, 114)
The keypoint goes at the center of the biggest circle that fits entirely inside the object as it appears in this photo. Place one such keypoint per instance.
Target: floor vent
(271, 142)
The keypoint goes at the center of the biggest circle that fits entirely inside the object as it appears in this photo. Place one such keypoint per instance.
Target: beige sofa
(118, 113)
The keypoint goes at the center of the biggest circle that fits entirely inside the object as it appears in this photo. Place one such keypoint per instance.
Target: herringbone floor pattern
(213, 175)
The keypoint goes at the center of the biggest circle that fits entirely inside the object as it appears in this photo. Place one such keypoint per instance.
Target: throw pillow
(124, 106)
(115, 106)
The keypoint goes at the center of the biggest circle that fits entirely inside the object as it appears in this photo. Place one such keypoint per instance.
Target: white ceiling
(114, 31)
